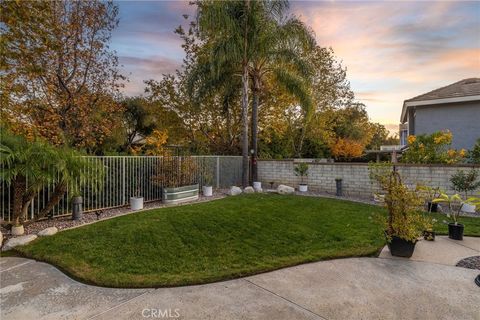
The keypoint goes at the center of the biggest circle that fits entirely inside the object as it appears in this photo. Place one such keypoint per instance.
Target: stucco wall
(463, 120)
(356, 181)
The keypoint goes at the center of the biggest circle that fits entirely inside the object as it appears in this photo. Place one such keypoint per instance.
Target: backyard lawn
(221, 239)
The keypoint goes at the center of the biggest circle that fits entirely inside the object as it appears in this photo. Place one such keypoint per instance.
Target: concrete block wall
(355, 176)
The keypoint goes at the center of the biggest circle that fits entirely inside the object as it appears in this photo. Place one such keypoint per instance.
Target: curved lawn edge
(209, 242)
(87, 281)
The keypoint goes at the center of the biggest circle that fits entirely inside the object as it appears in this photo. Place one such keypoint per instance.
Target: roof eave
(407, 104)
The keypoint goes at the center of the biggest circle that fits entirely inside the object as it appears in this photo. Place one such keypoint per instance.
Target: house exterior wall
(355, 176)
(462, 119)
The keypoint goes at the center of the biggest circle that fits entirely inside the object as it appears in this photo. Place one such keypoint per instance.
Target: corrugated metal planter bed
(180, 194)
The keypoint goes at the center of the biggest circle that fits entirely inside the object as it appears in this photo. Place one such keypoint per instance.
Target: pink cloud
(396, 50)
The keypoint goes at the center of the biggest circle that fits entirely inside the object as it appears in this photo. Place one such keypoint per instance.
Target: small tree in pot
(404, 223)
(430, 193)
(454, 205)
(301, 170)
(207, 179)
(136, 200)
(179, 177)
(465, 183)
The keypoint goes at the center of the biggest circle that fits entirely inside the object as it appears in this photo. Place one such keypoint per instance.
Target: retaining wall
(355, 176)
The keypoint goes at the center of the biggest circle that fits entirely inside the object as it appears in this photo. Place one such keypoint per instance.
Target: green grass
(213, 241)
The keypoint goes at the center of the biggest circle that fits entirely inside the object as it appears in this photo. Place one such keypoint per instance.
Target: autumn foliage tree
(59, 77)
(347, 148)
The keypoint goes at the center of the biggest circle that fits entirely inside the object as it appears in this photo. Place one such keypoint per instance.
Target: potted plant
(404, 223)
(17, 229)
(430, 194)
(136, 201)
(455, 204)
(207, 188)
(301, 170)
(465, 183)
(257, 185)
(429, 232)
(179, 179)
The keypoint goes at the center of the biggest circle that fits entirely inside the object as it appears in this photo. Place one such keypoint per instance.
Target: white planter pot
(17, 230)
(207, 191)
(303, 188)
(257, 185)
(136, 203)
(468, 208)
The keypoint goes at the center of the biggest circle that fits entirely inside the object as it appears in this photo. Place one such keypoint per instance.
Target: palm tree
(28, 166)
(21, 160)
(280, 48)
(226, 25)
(254, 36)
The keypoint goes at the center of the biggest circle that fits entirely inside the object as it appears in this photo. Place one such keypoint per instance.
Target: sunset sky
(392, 50)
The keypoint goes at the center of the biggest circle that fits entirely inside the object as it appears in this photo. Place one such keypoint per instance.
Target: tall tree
(204, 110)
(138, 120)
(59, 77)
(280, 47)
(228, 26)
(256, 37)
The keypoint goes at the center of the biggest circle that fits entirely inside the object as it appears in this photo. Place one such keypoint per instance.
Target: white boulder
(259, 190)
(249, 190)
(18, 241)
(48, 232)
(235, 191)
(283, 189)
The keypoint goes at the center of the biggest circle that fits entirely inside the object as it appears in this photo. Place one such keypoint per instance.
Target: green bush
(433, 148)
(474, 154)
(41, 164)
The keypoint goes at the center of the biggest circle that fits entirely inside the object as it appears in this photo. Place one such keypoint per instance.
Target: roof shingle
(462, 88)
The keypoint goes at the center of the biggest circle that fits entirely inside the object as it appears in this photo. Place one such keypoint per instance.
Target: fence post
(123, 180)
(218, 172)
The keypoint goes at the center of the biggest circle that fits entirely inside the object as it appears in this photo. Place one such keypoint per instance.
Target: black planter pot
(401, 248)
(432, 207)
(455, 231)
(429, 235)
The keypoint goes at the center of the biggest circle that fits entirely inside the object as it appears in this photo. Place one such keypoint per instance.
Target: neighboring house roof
(461, 91)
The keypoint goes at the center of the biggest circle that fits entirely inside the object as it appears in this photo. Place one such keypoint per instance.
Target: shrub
(465, 182)
(433, 148)
(301, 170)
(404, 219)
(176, 172)
(474, 154)
(41, 164)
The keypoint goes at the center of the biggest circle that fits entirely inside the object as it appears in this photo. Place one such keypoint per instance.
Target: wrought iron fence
(126, 176)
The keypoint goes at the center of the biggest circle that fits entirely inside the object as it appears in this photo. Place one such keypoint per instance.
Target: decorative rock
(18, 241)
(48, 232)
(259, 190)
(283, 189)
(235, 191)
(249, 190)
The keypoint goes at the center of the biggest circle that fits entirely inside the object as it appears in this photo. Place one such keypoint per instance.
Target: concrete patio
(427, 286)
